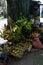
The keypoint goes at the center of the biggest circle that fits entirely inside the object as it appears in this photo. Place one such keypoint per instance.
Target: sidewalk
(32, 58)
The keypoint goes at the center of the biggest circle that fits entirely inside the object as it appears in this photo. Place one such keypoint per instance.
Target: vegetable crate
(18, 51)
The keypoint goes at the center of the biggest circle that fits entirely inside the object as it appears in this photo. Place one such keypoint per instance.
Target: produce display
(6, 33)
(6, 48)
(15, 33)
(19, 31)
(20, 35)
(20, 46)
(24, 22)
(17, 52)
(27, 44)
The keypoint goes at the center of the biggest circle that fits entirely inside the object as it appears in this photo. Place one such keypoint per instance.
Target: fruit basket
(17, 50)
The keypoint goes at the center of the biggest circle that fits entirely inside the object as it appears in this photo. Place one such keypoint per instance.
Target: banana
(7, 36)
(8, 31)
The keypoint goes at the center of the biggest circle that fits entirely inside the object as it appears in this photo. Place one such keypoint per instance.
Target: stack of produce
(19, 31)
(6, 48)
(27, 44)
(26, 27)
(20, 46)
(18, 50)
(6, 33)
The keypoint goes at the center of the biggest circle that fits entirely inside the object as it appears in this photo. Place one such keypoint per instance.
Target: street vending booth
(21, 29)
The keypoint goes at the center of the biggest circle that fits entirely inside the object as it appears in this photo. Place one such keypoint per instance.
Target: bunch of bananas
(6, 48)
(6, 33)
(19, 46)
(35, 34)
(27, 44)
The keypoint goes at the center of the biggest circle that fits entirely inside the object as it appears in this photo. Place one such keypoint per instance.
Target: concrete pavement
(33, 58)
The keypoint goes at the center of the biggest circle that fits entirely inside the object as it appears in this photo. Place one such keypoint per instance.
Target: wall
(15, 7)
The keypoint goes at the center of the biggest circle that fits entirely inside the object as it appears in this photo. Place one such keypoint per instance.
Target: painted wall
(15, 7)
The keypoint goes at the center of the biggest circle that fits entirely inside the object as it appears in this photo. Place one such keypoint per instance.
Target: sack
(37, 43)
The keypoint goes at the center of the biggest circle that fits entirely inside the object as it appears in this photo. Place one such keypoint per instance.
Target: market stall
(22, 31)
